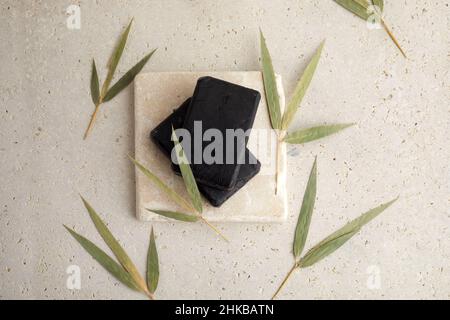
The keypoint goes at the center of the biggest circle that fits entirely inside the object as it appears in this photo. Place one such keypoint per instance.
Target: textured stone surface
(156, 95)
(162, 137)
(400, 146)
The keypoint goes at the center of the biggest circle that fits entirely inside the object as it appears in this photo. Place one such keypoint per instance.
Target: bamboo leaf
(163, 187)
(364, 3)
(362, 9)
(379, 4)
(105, 261)
(188, 177)
(176, 215)
(304, 220)
(358, 7)
(327, 248)
(127, 78)
(315, 133)
(152, 265)
(340, 237)
(358, 223)
(270, 86)
(115, 247)
(115, 58)
(301, 88)
(95, 91)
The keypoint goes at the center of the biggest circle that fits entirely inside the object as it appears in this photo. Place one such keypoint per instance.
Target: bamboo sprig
(194, 207)
(125, 271)
(107, 92)
(281, 123)
(330, 244)
(365, 9)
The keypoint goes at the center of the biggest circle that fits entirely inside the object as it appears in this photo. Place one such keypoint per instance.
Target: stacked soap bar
(221, 106)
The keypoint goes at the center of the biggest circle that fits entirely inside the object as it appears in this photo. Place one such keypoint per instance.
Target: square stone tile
(156, 96)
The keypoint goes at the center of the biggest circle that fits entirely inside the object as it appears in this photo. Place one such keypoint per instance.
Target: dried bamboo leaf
(95, 91)
(176, 215)
(364, 3)
(152, 265)
(327, 248)
(270, 85)
(105, 261)
(315, 133)
(115, 58)
(358, 7)
(115, 247)
(362, 9)
(340, 237)
(358, 223)
(304, 220)
(188, 176)
(379, 4)
(127, 78)
(163, 187)
(301, 88)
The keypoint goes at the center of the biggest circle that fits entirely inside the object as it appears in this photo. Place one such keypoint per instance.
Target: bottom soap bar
(161, 136)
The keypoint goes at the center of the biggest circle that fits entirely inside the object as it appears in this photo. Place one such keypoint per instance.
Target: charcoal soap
(162, 137)
(162, 134)
(220, 105)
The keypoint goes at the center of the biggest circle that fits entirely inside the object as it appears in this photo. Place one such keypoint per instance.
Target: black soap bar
(220, 105)
(162, 134)
(162, 137)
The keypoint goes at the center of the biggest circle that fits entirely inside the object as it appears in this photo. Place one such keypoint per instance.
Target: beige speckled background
(401, 146)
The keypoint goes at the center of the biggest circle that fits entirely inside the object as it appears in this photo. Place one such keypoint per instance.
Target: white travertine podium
(156, 96)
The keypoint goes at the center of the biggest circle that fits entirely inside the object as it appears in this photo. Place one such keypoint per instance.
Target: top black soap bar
(220, 105)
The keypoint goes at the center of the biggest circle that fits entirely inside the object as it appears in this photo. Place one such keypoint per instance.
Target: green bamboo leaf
(95, 91)
(315, 133)
(115, 58)
(358, 7)
(379, 4)
(304, 220)
(362, 9)
(115, 247)
(188, 177)
(105, 261)
(163, 187)
(364, 3)
(270, 85)
(327, 248)
(127, 78)
(301, 88)
(176, 215)
(152, 265)
(340, 237)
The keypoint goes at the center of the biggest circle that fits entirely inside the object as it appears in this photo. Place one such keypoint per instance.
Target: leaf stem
(283, 284)
(281, 136)
(150, 295)
(277, 172)
(391, 35)
(214, 228)
(91, 123)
